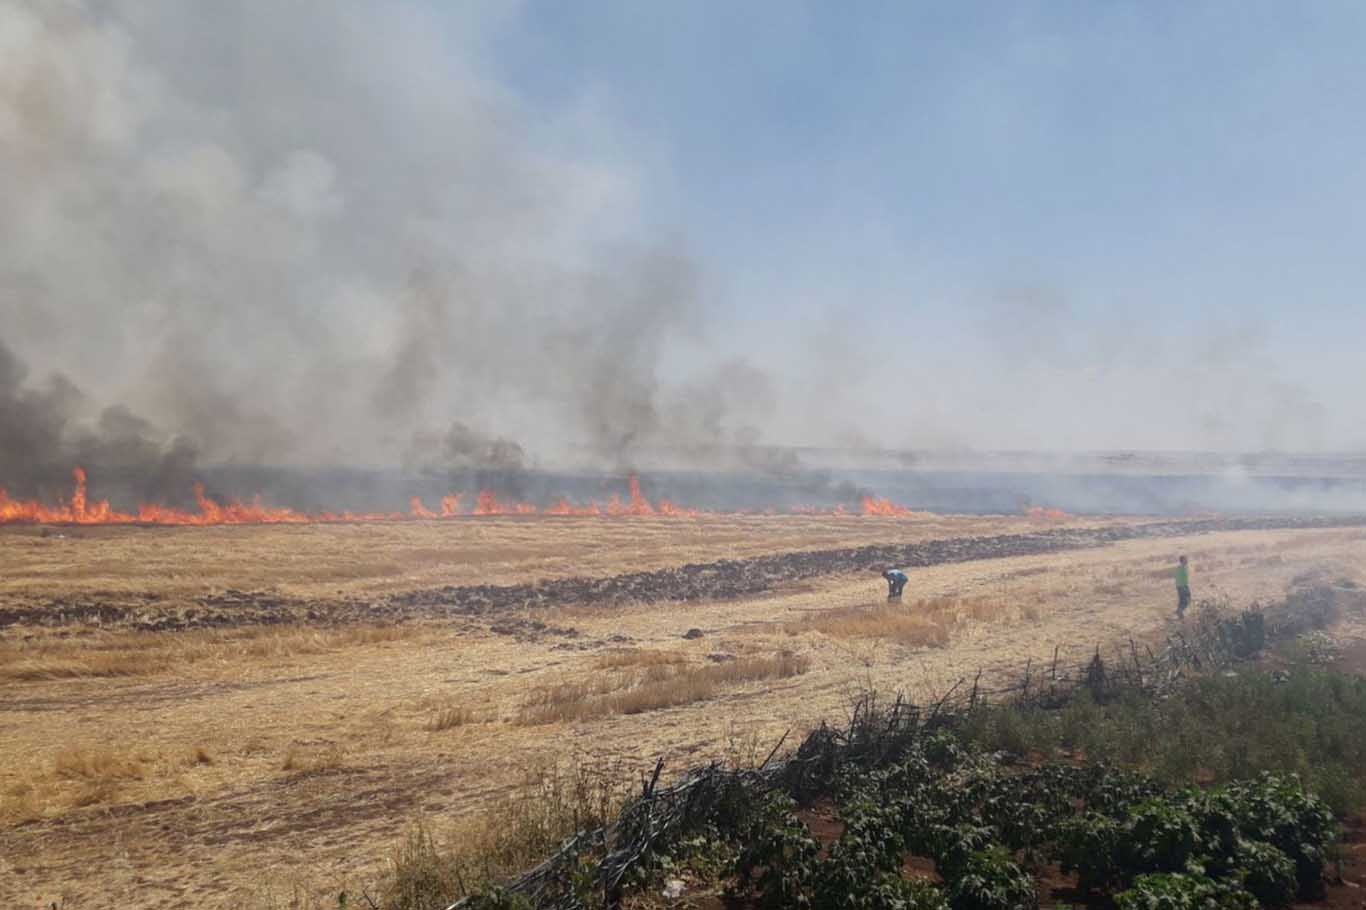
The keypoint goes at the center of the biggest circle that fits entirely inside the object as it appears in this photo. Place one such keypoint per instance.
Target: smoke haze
(337, 233)
(314, 234)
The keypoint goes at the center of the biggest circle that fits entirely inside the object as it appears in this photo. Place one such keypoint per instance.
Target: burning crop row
(82, 510)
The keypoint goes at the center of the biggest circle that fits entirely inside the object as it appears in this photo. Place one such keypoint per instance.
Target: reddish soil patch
(921, 867)
(822, 820)
(1059, 890)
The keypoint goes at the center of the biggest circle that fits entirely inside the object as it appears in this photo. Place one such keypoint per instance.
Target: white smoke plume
(313, 232)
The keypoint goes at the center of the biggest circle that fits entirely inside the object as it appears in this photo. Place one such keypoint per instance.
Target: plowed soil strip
(726, 579)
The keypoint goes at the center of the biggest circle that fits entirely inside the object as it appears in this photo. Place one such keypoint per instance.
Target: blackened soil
(726, 579)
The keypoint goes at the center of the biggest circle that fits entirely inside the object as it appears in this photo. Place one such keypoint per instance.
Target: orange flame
(83, 510)
(874, 506)
(1039, 513)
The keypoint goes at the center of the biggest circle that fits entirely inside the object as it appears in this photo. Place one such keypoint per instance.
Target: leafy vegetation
(1183, 891)
(988, 827)
(958, 799)
(1311, 722)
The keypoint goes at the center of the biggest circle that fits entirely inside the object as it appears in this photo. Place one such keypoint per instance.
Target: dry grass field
(273, 766)
(364, 559)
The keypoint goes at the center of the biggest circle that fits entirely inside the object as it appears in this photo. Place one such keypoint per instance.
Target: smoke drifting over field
(42, 441)
(313, 233)
(328, 234)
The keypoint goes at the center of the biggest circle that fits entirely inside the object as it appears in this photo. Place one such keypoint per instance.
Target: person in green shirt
(1183, 588)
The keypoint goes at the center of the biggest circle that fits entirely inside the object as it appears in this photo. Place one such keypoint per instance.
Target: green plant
(498, 899)
(1312, 722)
(1183, 891)
(1088, 845)
(778, 861)
(1159, 836)
(889, 891)
(1266, 872)
(1278, 811)
(990, 880)
(1024, 808)
(953, 846)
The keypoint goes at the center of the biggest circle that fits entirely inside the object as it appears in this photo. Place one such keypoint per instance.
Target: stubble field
(274, 763)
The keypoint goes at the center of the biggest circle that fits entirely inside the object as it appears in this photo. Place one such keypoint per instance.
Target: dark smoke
(470, 460)
(42, 438)
(301, 265)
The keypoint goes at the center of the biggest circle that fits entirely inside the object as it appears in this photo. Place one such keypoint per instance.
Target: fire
(667, 507)
(563, 506)
(78, 497)
(83, 510)
(874, 506)
(1039, 513)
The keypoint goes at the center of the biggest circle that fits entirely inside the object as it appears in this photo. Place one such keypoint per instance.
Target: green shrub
(952, 846)
(1159, 836)
(498, 899)
(1089, 846)
(1183, 891)
(990, 880)
(886, 891)
(919, 894)
(943, 751)
(855, 872)
(1312, 723)
(1025, 808)
(1266, 872)
(1112, 791)
(782, 851)
(1277, 810)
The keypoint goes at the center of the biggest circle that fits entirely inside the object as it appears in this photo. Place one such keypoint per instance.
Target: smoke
(315, 233)
(466, 458)
(1069, 374)
(45, 435)
(325, 233)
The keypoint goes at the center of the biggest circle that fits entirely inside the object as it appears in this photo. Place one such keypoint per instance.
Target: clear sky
(1171, 185)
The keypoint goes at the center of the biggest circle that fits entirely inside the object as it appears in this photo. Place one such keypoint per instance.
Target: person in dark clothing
(1183, 588)
(896, 581)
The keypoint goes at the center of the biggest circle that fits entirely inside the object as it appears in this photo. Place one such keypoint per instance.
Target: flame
(563, 506)
(83, 510)
(874, 506)
(1039, 513)
(78, 497)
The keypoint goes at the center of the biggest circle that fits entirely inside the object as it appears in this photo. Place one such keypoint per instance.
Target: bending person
(896, 581)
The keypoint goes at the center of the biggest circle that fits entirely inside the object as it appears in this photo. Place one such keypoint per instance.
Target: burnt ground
(727, 579)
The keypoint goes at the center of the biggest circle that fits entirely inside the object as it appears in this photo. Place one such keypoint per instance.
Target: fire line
(83, 510)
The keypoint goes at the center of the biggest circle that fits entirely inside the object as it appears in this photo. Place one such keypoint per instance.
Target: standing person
(896, 580)
(1183, 588)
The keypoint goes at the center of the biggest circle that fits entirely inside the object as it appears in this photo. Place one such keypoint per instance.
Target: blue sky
(1192, 175)
(1001, 138)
